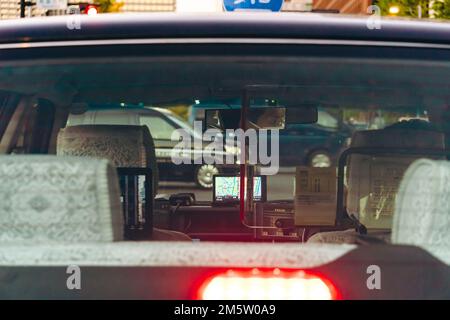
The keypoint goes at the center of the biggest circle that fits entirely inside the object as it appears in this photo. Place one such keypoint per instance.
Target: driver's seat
(123, 145)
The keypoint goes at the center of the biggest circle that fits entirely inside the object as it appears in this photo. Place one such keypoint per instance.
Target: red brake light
(91, 10)
(267, 285)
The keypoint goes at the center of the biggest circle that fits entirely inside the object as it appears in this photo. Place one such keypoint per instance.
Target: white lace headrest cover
(122, 145)
(47, 199)
(422, 211)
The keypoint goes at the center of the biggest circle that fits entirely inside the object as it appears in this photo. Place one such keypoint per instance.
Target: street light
(394, 10)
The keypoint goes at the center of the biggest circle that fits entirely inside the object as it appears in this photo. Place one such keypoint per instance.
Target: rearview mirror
(260, 118)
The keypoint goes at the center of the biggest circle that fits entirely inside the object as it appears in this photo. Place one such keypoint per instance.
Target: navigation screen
(226, 189)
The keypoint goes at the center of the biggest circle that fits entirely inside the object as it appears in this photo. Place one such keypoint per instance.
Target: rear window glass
(302, 117)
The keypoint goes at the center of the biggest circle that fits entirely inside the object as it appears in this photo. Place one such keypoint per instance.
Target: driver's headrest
(50, 199)
(123, 145)
(422, 210)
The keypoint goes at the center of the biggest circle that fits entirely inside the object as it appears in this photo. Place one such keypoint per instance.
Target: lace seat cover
(49, 199)
(422, 212)
(123, 145)
(346, 236)
(373, 179)
(175, 254)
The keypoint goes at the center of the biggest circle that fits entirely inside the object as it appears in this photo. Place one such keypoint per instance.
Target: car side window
(291, 132)
(159, 127)
(32, 126)
(8, 103)
(326, 120)
(299, 131)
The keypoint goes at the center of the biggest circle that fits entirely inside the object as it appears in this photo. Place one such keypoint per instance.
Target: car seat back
(373, 180)
(48, 199)
(422, 210)
(124, 146)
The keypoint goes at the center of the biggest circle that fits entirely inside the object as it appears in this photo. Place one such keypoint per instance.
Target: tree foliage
(408, 8)
(109, 5)
(442, 9)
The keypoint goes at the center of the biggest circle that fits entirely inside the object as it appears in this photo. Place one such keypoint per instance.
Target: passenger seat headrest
(422, 210)
(50, 199)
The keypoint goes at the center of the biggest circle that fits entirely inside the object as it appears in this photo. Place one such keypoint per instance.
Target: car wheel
(205, 174)
(319, 159)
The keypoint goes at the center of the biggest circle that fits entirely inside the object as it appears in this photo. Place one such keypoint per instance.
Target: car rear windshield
(328, 138)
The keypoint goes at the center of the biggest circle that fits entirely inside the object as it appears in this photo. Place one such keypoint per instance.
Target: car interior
(387, 184)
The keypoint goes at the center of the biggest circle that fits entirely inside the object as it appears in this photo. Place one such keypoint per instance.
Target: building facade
(342, 6)
(10, 9)
(148, 5)
(297, 5)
